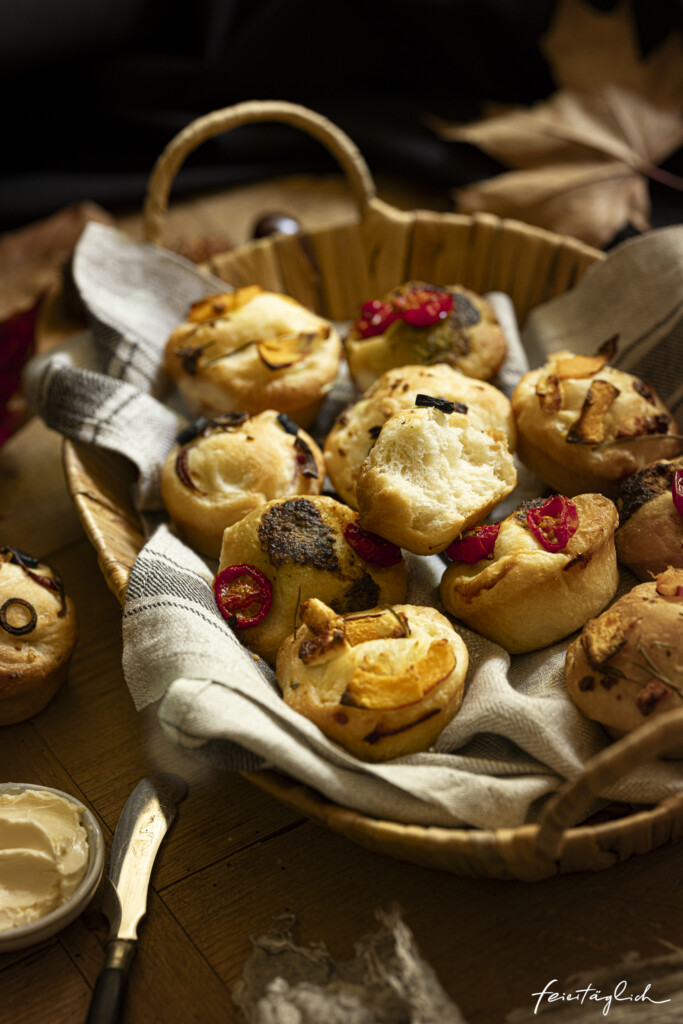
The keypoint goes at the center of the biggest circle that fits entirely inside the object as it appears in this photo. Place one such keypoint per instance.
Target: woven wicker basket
(333, 271)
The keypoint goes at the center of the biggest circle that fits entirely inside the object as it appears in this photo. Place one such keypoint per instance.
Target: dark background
(93, 91)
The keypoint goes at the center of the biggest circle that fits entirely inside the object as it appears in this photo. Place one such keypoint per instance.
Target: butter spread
(43, 854)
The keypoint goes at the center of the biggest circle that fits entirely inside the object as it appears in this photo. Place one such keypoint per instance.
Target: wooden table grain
(236, 859)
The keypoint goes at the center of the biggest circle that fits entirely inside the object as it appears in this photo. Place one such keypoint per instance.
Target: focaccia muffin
(293, 549)
(254, 350)
(430, 475)
(418, 323)
(38, 633)
(538, 575)
(358, 426)
(577, 417)
(382, 683)
(223, 468)
(627, 665)
(650, 534)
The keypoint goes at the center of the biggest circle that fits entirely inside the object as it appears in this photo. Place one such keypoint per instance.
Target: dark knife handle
(106, 1005)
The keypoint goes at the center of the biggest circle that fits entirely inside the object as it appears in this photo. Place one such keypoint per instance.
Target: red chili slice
(553, 523)
(371, 547)
(427, 313)
(243, 595)
(474, 545)
(677, 491)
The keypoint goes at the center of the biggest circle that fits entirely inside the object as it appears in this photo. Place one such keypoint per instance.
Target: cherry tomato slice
(474, 545)
(554, 523)
(243, 595)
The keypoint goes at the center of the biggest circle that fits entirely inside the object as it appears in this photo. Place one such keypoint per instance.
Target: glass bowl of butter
(51, 862)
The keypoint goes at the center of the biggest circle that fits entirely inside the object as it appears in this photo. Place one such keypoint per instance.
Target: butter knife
(146, 817)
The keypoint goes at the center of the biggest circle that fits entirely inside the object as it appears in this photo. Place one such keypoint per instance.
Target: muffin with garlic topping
(381, 683)
(251, 350)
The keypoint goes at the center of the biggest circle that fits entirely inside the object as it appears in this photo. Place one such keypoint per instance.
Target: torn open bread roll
(538, 575)
(627, 665)
(584, 426)
(381, 683)
(356, 429)
(253, 350)
(430, 475)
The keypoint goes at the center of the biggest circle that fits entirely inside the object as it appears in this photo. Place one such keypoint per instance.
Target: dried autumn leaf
(584, 155)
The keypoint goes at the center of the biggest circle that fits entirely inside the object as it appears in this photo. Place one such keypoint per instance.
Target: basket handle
(169, 162)
(573, 799)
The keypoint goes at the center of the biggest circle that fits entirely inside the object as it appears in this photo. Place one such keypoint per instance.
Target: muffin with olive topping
(292, 549)
(650, 534)
(38, 633)
(584, 426)
(419, 323)
(222, 468)
(381, 683)
(254, 350)
(538, 575)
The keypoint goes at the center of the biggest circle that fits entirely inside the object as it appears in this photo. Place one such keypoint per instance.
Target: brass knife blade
(146, 817)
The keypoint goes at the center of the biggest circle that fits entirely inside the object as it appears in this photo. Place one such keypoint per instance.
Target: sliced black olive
(287, 424)
(28, 627)
(442, 404)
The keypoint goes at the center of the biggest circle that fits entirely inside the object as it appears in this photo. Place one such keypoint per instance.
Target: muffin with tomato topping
(627, 665)
(432, 474)
(382, 683)
(538, 575)
(357, 427)
(222, 468)
(38, 632)
(419, 323)
(253, 350)
(584, 426)
(650, 534)
(290, 550)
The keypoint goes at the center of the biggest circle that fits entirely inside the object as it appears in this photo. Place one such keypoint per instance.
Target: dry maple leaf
(583, 156)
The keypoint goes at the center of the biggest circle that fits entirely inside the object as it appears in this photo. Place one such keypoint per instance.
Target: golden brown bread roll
(538, 575)
(418, 323)
(38, 633)
(430, 475)
(627, 665)
(302, 548)
(357, 427)
(382, 683)
(223, 468)
(254, 350)
(575, 416)
(650, 534)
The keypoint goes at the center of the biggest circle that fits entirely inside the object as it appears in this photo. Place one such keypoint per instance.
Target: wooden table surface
(235, 858)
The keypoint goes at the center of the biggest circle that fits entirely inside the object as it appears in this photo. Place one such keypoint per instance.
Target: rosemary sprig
(636, 437)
